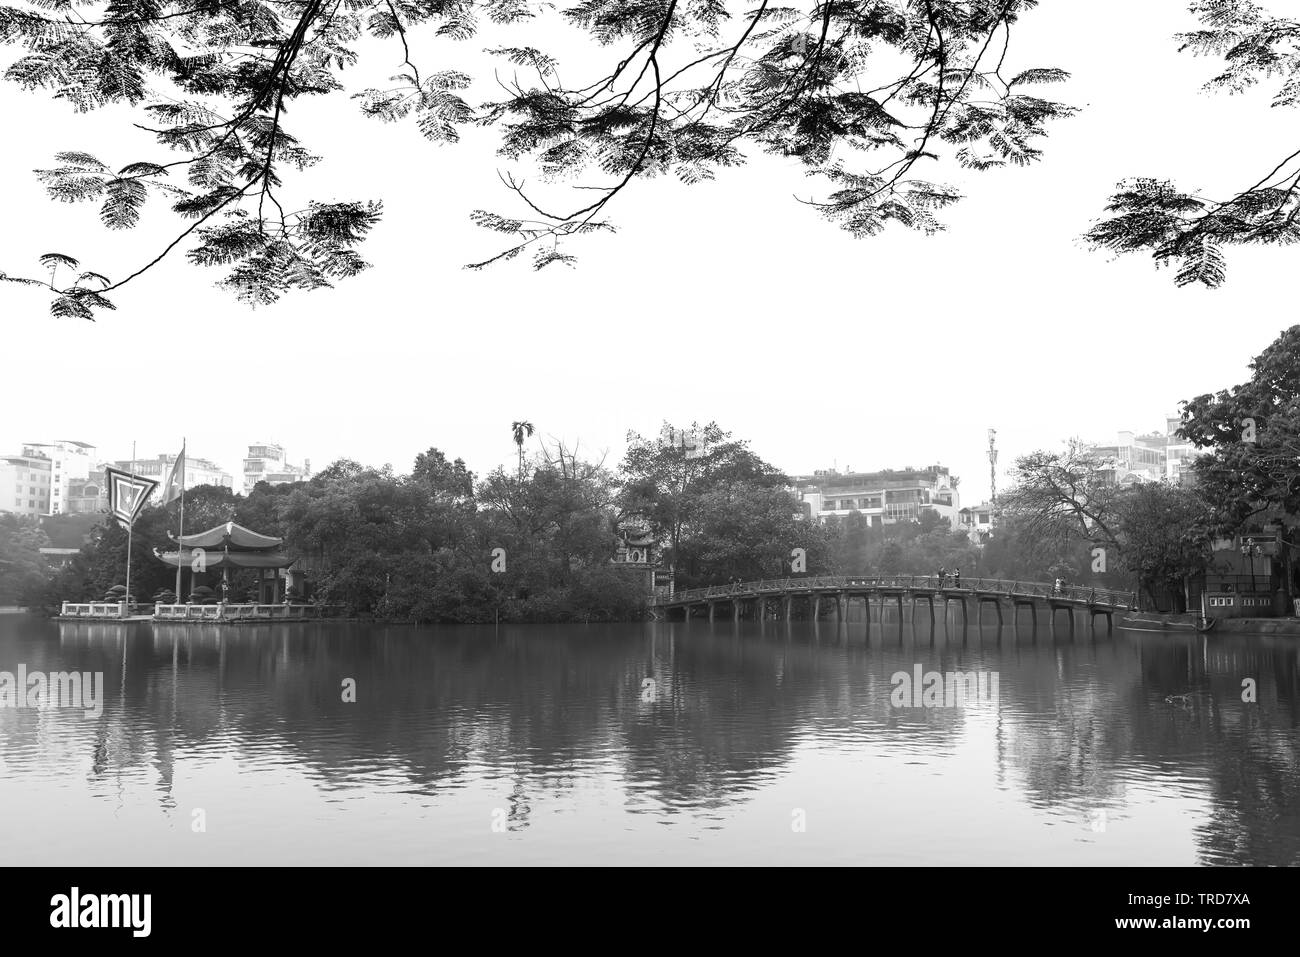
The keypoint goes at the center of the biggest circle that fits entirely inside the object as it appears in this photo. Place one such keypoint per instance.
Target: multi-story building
(887, 497)
(1179, 453)
(1134, 458)
(87, 496)
(197, 471)
(70, 461)
(266, 462)
(977, 522)
(1154, 457)
(25, 482)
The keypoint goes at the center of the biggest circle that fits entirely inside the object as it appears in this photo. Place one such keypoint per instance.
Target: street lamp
(1251, 549)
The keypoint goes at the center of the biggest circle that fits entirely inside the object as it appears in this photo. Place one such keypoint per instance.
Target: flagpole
(130, 527)
(179, 552)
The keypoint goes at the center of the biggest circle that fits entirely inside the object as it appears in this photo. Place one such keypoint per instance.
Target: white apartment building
(976, 522)
(25, 482)
(1179, 453)
(1148, 458)
(1134, 459)
(70, 461)
(197, 471)
(266, 462)
(886, 497)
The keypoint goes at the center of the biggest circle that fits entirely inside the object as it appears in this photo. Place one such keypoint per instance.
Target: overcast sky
(728, 300)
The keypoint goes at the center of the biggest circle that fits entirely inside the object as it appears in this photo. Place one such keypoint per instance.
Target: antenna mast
(993, 467)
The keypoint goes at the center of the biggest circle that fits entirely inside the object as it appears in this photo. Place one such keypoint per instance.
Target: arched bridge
(761, 600)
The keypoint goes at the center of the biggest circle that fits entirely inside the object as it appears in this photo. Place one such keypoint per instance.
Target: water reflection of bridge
(759, 597)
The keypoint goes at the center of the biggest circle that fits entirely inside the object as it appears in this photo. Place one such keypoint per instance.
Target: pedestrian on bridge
(956, 578)
(943, 576)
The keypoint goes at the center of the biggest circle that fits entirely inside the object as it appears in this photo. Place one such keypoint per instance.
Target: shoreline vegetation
(536, 541)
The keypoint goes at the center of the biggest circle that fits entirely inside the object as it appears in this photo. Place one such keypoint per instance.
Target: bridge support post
(712, 606)
(841, 608)
(786, 603)
(735, 609)
(997, 606)
(1033, 613)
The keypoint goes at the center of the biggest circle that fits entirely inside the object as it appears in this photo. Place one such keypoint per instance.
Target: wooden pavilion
(232, 546)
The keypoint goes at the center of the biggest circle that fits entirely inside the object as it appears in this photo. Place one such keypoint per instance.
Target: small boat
(1152, 621)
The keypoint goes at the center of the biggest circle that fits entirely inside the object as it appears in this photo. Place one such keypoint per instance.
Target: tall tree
(869, 96)
(1167, 539)
(520, 431)
(701, 501)
(1066, 497)
(1251, 434)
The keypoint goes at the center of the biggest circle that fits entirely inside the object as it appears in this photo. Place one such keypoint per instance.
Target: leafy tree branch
(858, 92)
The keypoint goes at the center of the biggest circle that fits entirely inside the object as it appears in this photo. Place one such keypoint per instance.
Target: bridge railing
(1080, 594)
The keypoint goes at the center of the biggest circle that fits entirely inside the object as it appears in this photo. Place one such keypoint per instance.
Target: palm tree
(521, 430)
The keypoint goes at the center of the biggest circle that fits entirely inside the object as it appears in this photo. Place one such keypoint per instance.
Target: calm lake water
(538, 744)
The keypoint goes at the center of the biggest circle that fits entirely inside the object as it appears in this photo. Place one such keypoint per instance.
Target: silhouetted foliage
(1190, 230)
(867, 96)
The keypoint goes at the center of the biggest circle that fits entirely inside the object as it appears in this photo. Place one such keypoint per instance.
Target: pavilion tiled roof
(230, 537)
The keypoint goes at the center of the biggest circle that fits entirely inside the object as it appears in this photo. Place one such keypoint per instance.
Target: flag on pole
(172, 490)
(127, 494)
